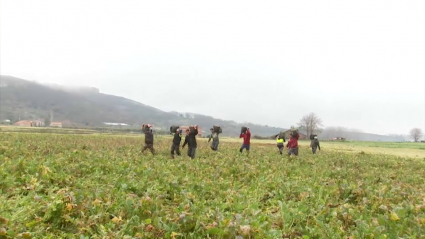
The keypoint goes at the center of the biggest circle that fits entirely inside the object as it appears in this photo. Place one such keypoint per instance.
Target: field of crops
(101, 186)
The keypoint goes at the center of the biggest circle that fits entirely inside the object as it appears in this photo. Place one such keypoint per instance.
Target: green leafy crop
(102, 186)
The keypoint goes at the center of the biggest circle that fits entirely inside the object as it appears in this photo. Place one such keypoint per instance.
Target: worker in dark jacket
(190, 140)
(177, 138)
(148, 140)
(280, 142)
(215, 142)
(314, 144)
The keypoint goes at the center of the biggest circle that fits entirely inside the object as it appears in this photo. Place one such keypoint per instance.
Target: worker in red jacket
(246, 140)
(293, 144)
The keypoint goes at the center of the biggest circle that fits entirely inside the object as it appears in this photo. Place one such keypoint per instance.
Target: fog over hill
(86, 106)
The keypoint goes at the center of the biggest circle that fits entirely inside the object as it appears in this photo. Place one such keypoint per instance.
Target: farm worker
(190, 140)
(293, 144)
(246, 140)
(149, 140)
(176, 143)
(214, 137)
(279, 142)
(314, 144)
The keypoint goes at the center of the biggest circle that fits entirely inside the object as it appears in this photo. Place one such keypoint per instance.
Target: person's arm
(211, 135)
(318, 145)
(241, 135)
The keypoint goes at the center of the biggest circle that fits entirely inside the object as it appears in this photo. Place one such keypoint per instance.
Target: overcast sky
(358, 64)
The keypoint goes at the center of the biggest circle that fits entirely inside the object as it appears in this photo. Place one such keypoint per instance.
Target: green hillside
(22, 99)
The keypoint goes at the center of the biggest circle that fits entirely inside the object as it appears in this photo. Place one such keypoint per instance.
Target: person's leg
(215, 146)
(281, 149)
(244, 146)
(296, 151)
(188, 151)
(172, 150)
(178, 149)
(290, 151)
(144, 148)
(152, 149)
(193, 152)
(314, 150)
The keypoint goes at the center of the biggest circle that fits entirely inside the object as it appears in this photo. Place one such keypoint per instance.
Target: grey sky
(358, 64)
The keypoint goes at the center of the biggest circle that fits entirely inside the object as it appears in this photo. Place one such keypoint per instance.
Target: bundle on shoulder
(174, 128)
(146, 128)
(282, 134)
(217, 129)
(295, 134)
(243, 129)
(193, 129)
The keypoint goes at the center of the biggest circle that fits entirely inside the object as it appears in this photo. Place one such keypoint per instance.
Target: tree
(310, 123)
(416, 134)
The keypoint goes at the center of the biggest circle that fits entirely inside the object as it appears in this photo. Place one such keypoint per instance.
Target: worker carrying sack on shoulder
(312, 136)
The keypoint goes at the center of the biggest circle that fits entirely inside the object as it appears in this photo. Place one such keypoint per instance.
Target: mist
(355, 64)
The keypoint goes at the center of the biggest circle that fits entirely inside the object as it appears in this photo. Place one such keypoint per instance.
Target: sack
(312, 136)
(174, 128)
(146, 128)
(193, 129)
(294, 134)
(282, 135)
(243, 129)
(217, 129)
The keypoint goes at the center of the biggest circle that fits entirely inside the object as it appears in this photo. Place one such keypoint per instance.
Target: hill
(21, 99)
(333, 132)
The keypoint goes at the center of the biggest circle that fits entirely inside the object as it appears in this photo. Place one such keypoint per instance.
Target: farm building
(56, 124)
(37, 123)
(23, 123)
(338, 139)
(29, 123)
